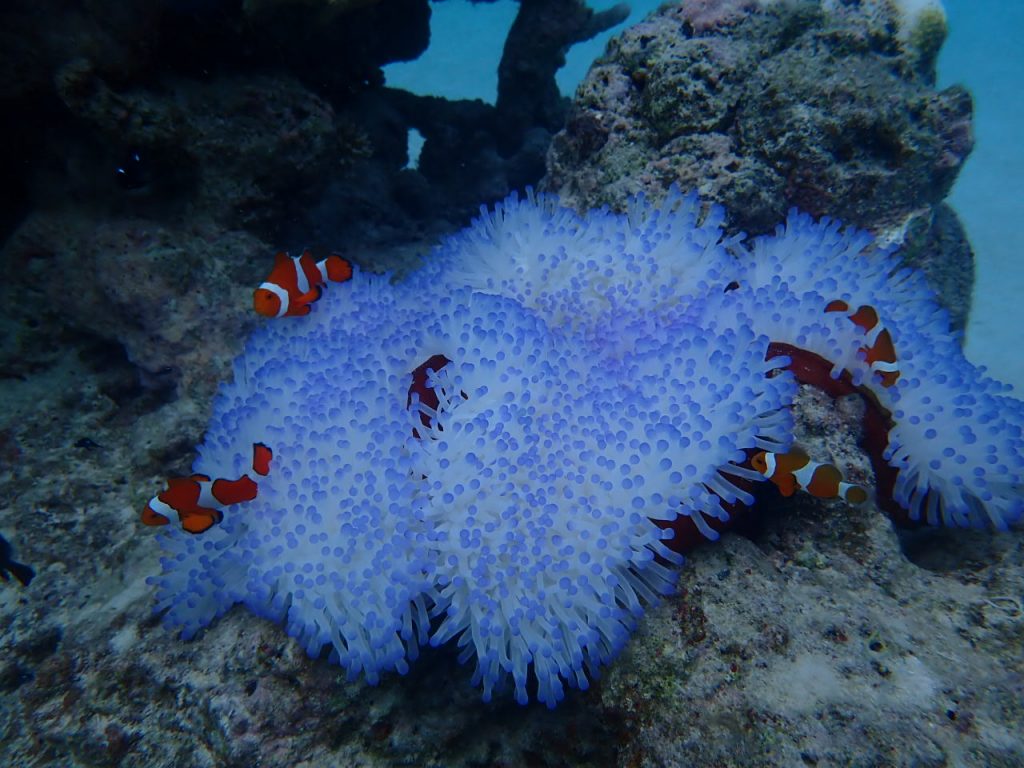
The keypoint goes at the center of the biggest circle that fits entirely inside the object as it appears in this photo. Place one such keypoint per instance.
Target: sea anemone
(490, 452)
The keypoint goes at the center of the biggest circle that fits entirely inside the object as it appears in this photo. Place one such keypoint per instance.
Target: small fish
(296, 282)
(198, 500)
(795, 471)
(879, 350)
(20, 571)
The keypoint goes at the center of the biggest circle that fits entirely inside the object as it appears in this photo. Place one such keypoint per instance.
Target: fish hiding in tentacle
(796, 470)
(198, 500)
(296, 282)
(879, 351)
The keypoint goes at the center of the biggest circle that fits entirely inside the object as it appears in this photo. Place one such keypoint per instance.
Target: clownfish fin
(201, 522)
(335, 269)
(182, 493)
(301, 305)
(304, 303)
(853, 494)
(261, 458)
(281, 258)
(152, 517)
(229, 492)
(786, 484)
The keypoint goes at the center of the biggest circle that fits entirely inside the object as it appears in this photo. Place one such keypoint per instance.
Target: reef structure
(495, 451)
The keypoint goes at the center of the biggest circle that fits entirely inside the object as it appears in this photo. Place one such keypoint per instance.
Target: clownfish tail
(335, 269)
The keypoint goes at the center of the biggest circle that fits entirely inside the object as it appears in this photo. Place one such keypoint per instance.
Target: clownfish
(198, 499)
(795, 471)
(296, 282)
(879, 351)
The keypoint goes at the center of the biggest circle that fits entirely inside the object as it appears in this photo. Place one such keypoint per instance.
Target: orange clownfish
(198, 500)
(296, 282)
(795, 471)
(879, 350)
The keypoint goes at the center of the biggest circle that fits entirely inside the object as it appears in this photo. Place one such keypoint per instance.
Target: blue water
(983, 52)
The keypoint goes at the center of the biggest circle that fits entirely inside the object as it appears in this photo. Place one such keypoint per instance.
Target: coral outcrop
(761, 106)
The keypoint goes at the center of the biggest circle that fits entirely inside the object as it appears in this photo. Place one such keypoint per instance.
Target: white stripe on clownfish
(879, 350)
(300, 274)
(327, 272)
(795, 470)
(282, 296)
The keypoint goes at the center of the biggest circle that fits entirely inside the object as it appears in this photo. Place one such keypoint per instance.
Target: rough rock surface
(230, 149)
(135, 280)
(819, 636)
(764, 106)
(821, 643)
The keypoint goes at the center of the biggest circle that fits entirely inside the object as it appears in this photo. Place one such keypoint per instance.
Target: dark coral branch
(535, 49)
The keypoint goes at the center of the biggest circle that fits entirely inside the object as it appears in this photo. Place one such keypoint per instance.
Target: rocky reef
(764, 106)
(157, 154)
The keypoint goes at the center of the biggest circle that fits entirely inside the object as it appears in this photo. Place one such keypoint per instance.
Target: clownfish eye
(265, 302)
